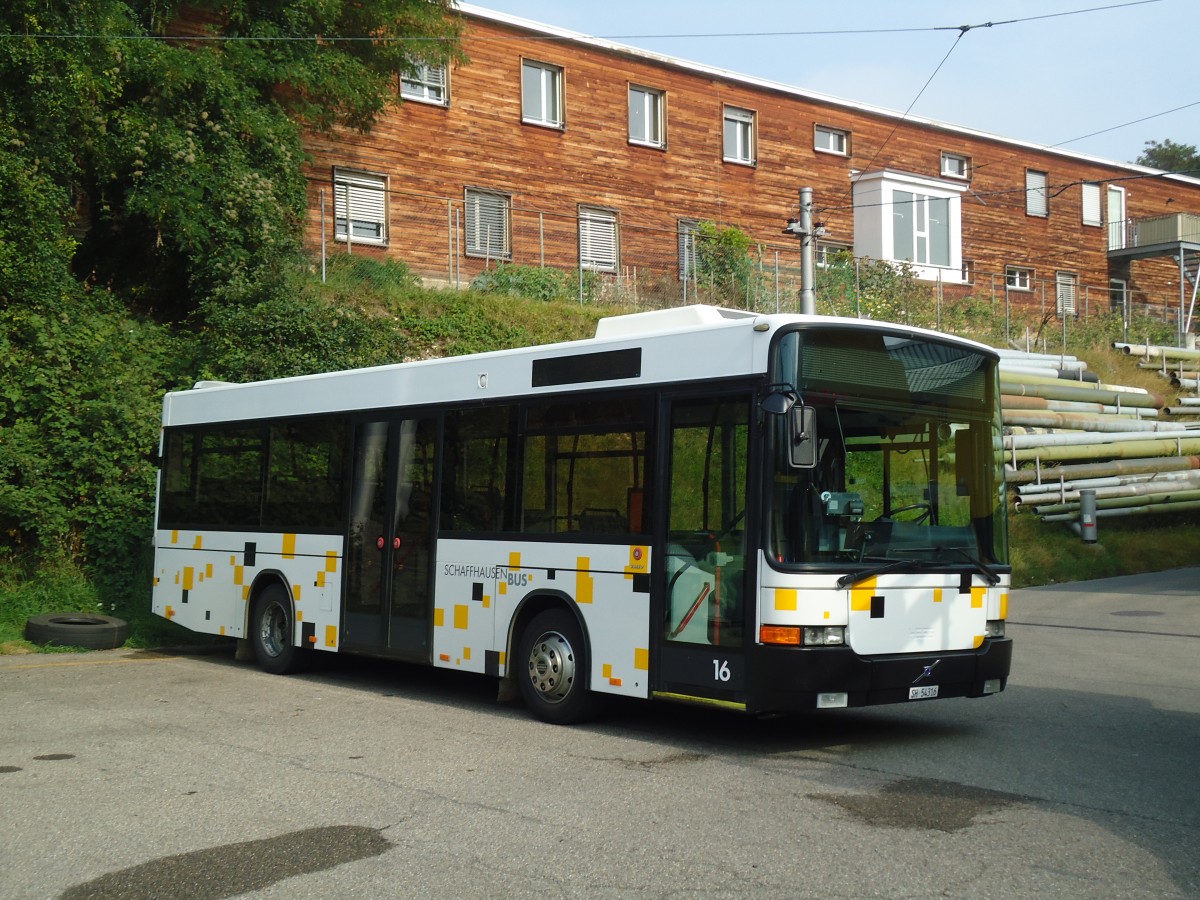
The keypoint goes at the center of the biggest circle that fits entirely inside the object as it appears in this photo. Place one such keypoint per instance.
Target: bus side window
(476, 462)
(585, 466)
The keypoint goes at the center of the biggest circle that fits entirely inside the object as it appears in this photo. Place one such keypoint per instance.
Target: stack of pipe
(1179, 364)
(1102, 437)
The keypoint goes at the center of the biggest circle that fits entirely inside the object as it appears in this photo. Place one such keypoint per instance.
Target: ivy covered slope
(149, 235)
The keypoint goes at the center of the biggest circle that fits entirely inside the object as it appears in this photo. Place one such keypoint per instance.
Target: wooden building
(552, 148)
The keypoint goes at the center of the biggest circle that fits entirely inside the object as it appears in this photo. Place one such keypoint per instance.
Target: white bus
(766, 513)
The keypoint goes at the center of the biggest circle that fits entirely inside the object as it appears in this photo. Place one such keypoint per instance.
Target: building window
(1065, 284)
(827, 252)
(598, 246)
(1018, 278)
(739, 135)
(955, 165)
(646, 120)
(1118, 292)
(921, 228)
(360, 199)
(899, 216)
(541, 94)
(1091, 204)
(688, 229)
(831, 140)
(426, 84)
(1037, 197)
(968, 271)
(488, 214)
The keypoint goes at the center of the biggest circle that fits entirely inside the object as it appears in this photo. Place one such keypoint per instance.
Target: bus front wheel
(553, 674)
(271, 629)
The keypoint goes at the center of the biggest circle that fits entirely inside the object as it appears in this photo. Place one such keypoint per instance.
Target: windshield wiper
(917, 565)
(869, 571)
(977, 564)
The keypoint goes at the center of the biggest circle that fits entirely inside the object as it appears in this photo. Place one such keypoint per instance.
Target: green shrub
(349, 275)
(296, 334)
(532, 282)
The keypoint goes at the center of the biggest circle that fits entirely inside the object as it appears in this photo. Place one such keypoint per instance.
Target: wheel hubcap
(272, 632)
(552, 666)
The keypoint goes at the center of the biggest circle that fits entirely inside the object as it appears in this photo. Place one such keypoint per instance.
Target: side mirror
(802, 437)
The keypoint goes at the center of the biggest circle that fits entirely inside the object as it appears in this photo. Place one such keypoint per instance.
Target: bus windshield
(905, 463)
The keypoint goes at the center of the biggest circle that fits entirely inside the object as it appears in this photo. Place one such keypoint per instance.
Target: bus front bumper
(793, 679)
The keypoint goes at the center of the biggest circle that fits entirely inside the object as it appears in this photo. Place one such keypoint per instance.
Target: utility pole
(808, 232)
(808, 296)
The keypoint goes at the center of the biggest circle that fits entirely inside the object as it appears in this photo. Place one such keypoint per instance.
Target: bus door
(390, 539)
(703, 577)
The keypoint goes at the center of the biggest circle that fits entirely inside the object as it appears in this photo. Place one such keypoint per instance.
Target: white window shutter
(1036, 200)
(598, 240)
(1091, 205)
(364, 198)
(687, 249)
(1065, 284)
(487, 225)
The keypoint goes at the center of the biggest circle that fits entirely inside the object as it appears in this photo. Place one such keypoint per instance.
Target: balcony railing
(1153, 230)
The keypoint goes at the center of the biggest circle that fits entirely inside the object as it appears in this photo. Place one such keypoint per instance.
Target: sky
(1053, 80)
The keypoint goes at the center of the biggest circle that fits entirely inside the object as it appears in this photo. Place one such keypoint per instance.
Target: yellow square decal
(786, 598)
(460, 615)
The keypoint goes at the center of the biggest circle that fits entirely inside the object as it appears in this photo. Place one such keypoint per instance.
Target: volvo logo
(927, 672)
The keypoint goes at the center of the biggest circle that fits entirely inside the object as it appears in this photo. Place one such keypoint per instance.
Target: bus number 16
(720, 670)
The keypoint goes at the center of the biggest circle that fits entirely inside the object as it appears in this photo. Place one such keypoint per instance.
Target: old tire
(272, 632)
(552, 669)
(77, 629)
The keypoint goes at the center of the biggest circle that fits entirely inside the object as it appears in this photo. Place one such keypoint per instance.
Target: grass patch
(1051, 553)
(54, 587)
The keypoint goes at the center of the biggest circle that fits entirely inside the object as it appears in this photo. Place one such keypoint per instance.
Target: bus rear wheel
(553, 674)
(271, 632)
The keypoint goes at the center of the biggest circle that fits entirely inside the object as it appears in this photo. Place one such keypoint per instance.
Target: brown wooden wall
(431, 153)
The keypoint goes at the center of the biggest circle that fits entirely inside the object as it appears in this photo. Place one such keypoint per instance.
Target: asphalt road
(132, 774)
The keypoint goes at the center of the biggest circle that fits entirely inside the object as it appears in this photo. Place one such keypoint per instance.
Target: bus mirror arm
(781, 399)
(802, 437)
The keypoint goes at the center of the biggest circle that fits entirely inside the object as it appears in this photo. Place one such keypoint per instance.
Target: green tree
(871, 288)
(1171, 157)
(723, 260)
(146, 181)
(182, 159)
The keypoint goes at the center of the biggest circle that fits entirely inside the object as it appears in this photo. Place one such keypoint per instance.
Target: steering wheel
(925, 508)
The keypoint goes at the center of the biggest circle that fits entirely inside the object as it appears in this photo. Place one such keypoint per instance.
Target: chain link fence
(462, 242)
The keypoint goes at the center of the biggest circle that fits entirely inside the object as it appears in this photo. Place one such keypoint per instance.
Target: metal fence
(661, 264)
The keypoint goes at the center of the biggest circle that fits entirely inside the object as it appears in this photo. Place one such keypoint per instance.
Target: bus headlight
(994, 628)
(824, 635)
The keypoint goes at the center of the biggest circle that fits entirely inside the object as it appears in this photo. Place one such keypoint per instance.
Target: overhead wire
(383, 38)
(961, 29)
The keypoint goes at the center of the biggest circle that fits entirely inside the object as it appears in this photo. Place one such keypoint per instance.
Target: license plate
(924, 692)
